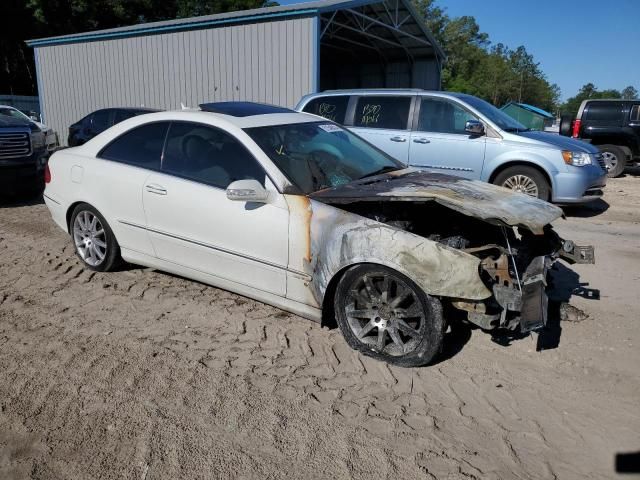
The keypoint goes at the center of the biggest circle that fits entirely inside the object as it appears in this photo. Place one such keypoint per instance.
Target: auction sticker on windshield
(329, 127)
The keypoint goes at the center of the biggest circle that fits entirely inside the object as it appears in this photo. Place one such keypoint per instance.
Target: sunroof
(243, 109)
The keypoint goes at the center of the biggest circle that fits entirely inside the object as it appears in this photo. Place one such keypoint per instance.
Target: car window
(604, 113)
(635, 113)
(100, 121)
(332, 108)
(122, 115)
(208, 155)
(440, 115)
(140, 147)
(383, 112)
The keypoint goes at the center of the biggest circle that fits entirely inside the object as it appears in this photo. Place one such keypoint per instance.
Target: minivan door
(439, 142)
(383, 120)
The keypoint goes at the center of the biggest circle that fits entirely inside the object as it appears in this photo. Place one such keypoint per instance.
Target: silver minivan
(466, 136)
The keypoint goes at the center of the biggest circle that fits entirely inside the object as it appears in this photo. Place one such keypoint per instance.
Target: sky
(575, 41)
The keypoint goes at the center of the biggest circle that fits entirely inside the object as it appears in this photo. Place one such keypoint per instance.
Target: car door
(122, 168)
(439, 142)
(383, 120)
(193, 223)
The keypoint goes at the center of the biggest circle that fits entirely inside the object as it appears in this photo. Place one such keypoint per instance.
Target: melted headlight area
(514, 262)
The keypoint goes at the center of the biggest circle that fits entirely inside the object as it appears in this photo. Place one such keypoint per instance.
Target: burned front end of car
(515, 268)
(509, 234)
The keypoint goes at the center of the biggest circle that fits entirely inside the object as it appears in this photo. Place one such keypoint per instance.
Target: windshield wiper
(382, 170)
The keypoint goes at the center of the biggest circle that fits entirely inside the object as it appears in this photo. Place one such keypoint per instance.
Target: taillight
(576, 128)
(47, 174)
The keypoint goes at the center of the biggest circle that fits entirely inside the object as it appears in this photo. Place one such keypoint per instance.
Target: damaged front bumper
(520, 300)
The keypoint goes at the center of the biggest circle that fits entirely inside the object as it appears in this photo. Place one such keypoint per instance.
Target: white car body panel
(199, 227)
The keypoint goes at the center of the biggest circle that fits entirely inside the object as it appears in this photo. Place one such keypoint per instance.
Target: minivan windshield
(497, 116)
(319, 155)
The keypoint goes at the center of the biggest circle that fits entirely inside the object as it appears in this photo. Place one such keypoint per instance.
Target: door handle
(421, 140)
(398, 139)
(157, 189)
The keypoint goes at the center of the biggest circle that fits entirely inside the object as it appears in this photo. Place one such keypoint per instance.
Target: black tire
(89, 253)
(410, 341)
(565, 125)
(615, 160)
(521, 178)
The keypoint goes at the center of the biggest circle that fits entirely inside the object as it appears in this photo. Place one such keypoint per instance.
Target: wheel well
(328, 312)
(72, 207)
(521, 163)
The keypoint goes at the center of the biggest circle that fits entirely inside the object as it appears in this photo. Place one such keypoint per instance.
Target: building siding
(270, 62)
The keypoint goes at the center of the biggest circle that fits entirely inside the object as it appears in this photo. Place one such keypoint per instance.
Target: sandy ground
(142, 375)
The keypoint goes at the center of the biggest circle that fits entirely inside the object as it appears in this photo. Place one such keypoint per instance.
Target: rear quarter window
(634, 116)
(141, 146)
(383, 112)
(332, 108)
(604, 113)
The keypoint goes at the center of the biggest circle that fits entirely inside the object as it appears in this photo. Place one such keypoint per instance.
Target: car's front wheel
(93, 239)
(385, 315)
(525, 180)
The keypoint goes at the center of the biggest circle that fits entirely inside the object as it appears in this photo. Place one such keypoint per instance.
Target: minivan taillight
(575, 133)
(47, 174)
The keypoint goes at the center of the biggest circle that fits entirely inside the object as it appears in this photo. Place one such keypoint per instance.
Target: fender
(499, 154)
(335, 239)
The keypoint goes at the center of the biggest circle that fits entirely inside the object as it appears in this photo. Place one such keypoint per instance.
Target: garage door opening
(379, 45)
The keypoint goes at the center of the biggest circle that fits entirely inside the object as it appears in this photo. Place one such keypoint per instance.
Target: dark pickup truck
(613, 126)
(23, 156)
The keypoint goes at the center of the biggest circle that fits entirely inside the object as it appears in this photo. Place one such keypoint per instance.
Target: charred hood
(495, 205)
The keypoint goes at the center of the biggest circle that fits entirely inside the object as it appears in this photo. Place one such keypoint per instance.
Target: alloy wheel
(522, 184)
(610, 160)
(90, 238)
(385, 314)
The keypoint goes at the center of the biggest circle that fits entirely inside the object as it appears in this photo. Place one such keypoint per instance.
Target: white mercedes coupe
(298, 212)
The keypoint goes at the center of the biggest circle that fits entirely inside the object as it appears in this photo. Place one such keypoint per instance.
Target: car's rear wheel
(615, 160)
(93, 239)
(385, 315)
(525, 180)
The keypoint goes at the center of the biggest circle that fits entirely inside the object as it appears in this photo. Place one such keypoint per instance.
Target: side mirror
(247, 191)
(35, 118)
(474, 127)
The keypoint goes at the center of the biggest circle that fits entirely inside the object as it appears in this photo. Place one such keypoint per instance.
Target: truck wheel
(384, 315)
(525, 180)
(615, 160)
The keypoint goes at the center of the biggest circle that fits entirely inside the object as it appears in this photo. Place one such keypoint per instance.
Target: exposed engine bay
(514, 261)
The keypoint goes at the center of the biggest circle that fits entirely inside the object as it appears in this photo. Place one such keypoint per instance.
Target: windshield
(319, 155)
(10, 112)
(497, 116)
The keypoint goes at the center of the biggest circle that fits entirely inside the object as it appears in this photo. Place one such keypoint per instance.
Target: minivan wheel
(614, 158)
(93, 239)
(525, 180)
(383, 314)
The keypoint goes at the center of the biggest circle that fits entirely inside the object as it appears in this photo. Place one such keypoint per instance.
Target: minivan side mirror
(247, 191)
(474, 127)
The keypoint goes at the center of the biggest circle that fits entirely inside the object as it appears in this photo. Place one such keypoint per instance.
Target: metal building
(273, 55)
